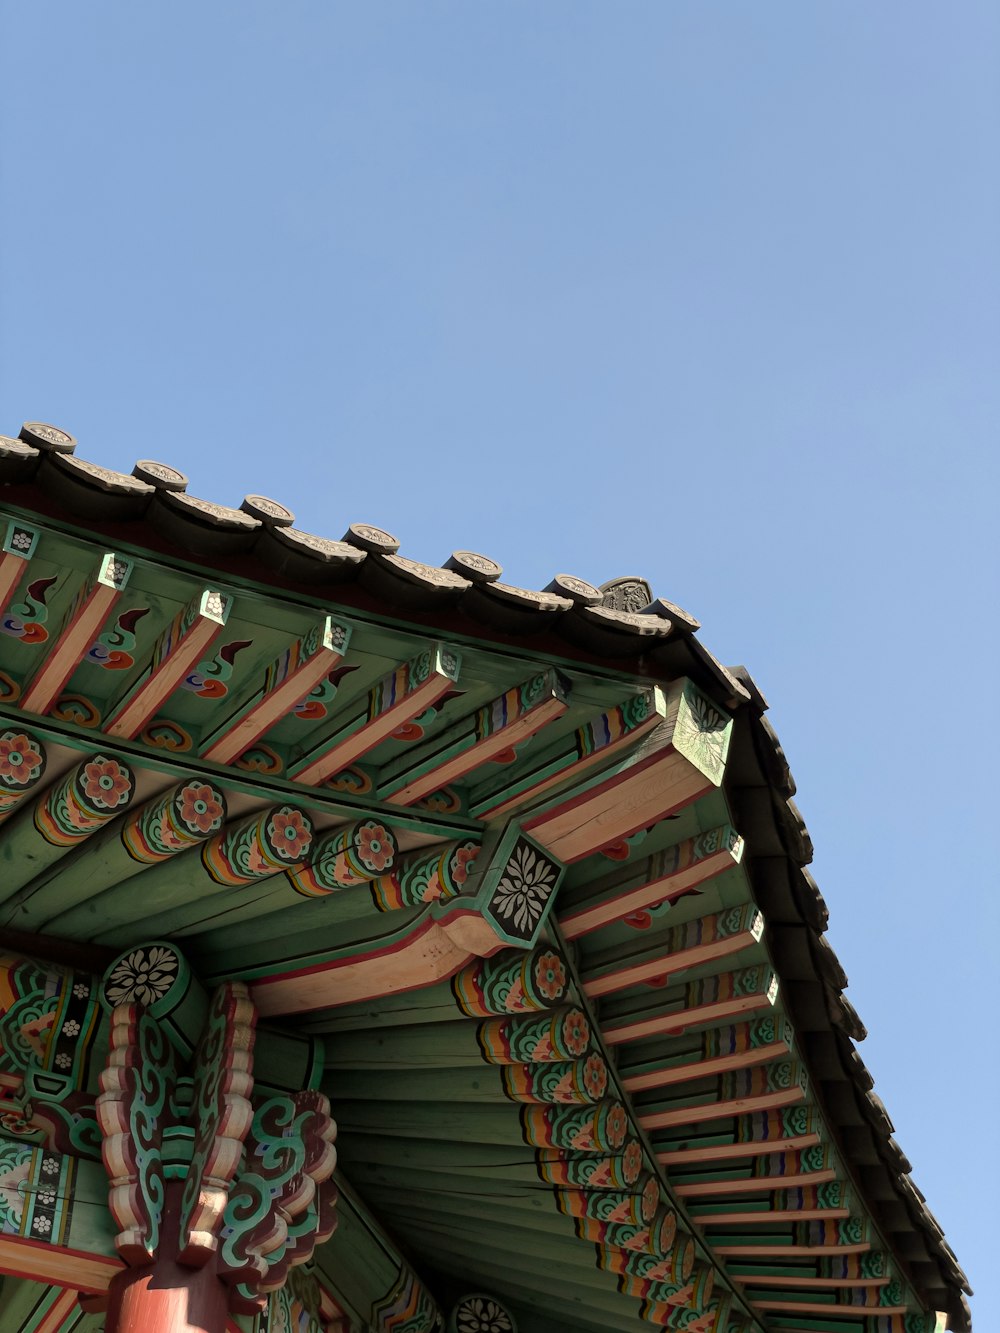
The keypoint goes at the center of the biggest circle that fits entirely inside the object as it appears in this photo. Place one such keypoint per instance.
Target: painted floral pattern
(289, 833)
(20, 759)
(201, 808)
(576, 1032)
(461, 861)
(106, 783)
(480, 1314)
(632, 1160)
(550, 976)
(142, 976)
(525, 887)
(376, 847)
(595, 1076)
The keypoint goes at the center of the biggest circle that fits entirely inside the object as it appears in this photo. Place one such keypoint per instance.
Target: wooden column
(167, 1296)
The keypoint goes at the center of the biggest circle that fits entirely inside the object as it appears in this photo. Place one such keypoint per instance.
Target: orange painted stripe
(57, 1265)
(690, 1115)
(756, 1185)
(722, 1151)
(667, 964)
(11, 569)
(765, 1218)
(69, 649)
(654, 891)
(716, 1064)
(642, 794)
(684, 1018)
(372, 733)
(820, 1283)
(272, 708)
(819, 1307)
(480, 753)
(752, 1251)
(569, 774)
(63, 1308)
(133, 715)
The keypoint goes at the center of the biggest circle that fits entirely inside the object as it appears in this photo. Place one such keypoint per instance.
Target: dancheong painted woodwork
(388, 949)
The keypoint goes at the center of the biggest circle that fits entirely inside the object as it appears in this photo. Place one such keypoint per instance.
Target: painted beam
(169, 824)
(648, 883)
(801, 1240)
(81, 628)
(177, 652)
(786, 1130)
(486, 736)
(748, 1090)
(671, 766)
(692, 944)
(287, 682)
(791, 1203)
(791, 1170)
(667, 1060)
(397, 698)
(593, 743)
(72, 810)
(263, 844)
(725, 995)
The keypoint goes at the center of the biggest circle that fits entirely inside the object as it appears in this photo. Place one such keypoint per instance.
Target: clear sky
(704, 291)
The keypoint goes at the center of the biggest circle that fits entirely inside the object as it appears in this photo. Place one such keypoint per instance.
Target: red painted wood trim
(691, 1115)
(667, 964)
(663, 890)
(12, 568)
(703, 1189)
(57, 1265)
(65, 1307)
(480, 753)
(637, 1028)
(724, 1151)
(820, 1283)
(271, 708)
(433, 951)
(752, 1251)
(774, 1215)
(130, 718)
(372, 733)
(717, 1064)
(69, 649)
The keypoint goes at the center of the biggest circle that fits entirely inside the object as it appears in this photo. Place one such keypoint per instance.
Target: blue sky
(708, 292)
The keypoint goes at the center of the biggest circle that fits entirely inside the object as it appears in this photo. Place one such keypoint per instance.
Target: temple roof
(585, 644)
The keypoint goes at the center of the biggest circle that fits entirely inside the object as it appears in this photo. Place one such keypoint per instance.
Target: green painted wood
(48, 828)
(467, 733)
(463, 1043)
(483, 1084)
(473, 1162)
(361, 1261)
(252, 913)
(332, 805)
(430, 1004)
(778, 1076)
(474, 1211)
(435, 1122)
(501, 1194)
(561, 761)
(129, 846)
(685, 1051)
(566, 1298)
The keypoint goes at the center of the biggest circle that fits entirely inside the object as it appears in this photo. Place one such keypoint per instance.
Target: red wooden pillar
(168, 1297)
